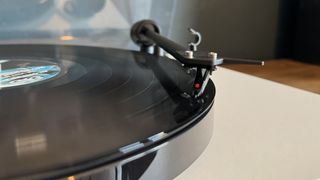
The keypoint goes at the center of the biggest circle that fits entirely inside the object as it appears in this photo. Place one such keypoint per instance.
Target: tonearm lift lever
(146, 34)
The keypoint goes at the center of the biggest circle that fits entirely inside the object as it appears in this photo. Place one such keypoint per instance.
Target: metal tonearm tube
(146, 34)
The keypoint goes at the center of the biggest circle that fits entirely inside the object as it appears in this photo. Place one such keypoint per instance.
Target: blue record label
(17, 72)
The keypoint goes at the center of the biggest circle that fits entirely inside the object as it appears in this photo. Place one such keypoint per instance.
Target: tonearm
(146, 34)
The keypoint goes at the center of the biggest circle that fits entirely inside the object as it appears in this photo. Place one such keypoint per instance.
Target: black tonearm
(146, 34)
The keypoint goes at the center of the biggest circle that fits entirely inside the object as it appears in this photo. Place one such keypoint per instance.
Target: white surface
(262, 131)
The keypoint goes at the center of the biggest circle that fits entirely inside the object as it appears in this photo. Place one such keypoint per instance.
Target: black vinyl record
(64, 109)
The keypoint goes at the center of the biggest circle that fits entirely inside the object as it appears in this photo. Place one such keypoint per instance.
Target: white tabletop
(262, 131)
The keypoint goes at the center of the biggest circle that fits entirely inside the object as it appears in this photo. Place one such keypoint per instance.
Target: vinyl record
(66, 109)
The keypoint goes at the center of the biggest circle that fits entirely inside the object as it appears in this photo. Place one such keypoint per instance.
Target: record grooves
(78, 112)
(101, 101)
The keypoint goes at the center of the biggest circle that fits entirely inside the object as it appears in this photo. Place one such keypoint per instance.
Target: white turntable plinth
(262, 130)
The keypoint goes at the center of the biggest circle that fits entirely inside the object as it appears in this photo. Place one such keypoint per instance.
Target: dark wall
(235, 28)
(287, 22)
(252, 29)
(306, 46)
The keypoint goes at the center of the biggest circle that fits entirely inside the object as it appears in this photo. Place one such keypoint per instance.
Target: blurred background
(285, 33)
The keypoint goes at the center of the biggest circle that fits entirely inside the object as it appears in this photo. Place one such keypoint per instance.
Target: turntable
(79, 112)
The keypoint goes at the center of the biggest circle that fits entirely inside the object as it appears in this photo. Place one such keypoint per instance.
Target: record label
(23, 72)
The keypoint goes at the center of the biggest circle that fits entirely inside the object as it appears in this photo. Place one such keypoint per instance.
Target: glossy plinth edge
(162, 162)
